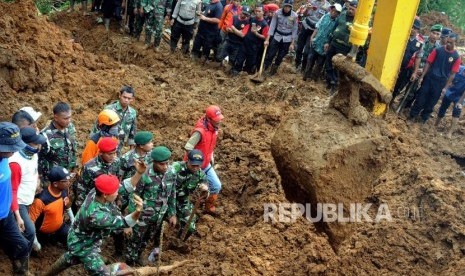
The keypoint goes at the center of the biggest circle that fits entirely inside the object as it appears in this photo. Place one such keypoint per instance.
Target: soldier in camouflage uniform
(159, 200)
(105, 163)
(62, 144)
(96, 219)
(154, 13)
(127, 116)
(127, 169)
(187, 177)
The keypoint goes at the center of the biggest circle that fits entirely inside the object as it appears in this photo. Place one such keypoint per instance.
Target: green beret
(437, 28)
(143, 137)
(160, 154)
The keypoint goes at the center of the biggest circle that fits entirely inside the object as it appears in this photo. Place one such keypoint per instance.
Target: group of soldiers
(127, 195)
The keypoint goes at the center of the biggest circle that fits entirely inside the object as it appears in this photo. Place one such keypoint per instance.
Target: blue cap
(195, 157)
(10, 138)
(29, 135)
(58, 174)
(288, 3)
(353, 3)
(445, 32)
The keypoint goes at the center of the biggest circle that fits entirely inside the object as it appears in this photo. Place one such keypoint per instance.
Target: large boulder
(323, 158)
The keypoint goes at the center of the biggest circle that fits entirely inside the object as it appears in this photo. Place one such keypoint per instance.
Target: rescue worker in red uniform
(203, 138)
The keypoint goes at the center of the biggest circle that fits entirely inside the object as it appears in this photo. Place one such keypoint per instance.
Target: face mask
(114, 130)
(28, 150)
(110, 132)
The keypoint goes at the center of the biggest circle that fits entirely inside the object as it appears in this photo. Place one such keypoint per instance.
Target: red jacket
(207, 141)
(227, 15)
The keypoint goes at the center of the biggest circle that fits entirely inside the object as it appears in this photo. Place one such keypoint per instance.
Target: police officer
(185, 19)
(283, 28)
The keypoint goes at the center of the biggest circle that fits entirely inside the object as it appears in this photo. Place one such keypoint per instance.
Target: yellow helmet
(107, 117)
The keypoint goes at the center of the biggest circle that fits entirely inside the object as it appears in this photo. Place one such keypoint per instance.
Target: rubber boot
(106, 21)
(21, 267)
(438, 121)
(273, 69)
(148, 39)
(210, 204)
(453, 126)
(307, 73)
(156, 45)
(57, 267)
(185, 49)
(84, 7)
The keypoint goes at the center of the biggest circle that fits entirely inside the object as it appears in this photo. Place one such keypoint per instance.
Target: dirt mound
(377, 164)
(72, 59)
(435, 17)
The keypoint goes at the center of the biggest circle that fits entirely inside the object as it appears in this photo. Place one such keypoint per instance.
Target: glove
(70, 214)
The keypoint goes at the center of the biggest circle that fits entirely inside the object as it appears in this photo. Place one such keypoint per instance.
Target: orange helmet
(107, 117)
(213, 112)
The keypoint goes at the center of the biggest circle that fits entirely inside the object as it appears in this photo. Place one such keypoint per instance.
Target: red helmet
(213, 113)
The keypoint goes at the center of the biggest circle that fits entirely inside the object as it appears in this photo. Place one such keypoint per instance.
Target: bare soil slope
(71, 59)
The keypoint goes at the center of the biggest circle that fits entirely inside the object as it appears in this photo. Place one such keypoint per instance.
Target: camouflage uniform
(60, 150)
(128, 124)
(91, 170)
(159, 200)
(94, 222)
(154, 11)
(186, 182)
(127, 170)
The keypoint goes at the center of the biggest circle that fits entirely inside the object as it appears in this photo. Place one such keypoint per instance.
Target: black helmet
(246, 10)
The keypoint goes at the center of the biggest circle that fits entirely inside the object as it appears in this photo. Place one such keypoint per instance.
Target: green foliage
(454, 9)
(49, 6)
(44, 6)
(250, 3)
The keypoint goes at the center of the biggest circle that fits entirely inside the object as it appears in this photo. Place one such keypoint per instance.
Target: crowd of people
(237, 36)
(124, 187)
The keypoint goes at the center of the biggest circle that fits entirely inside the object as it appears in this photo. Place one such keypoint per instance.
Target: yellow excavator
(391, 28)
(323, 158)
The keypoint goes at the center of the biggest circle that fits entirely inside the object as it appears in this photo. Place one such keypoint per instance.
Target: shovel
(200, 195)
(126, 17)
(259, 78)
(191, 217)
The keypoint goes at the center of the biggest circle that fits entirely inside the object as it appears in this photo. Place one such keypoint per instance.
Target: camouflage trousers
(154, 25)
(92, 261)
(183, 212)
(141, 236)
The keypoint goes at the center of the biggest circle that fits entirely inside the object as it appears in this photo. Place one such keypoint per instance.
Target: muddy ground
(70, 58)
